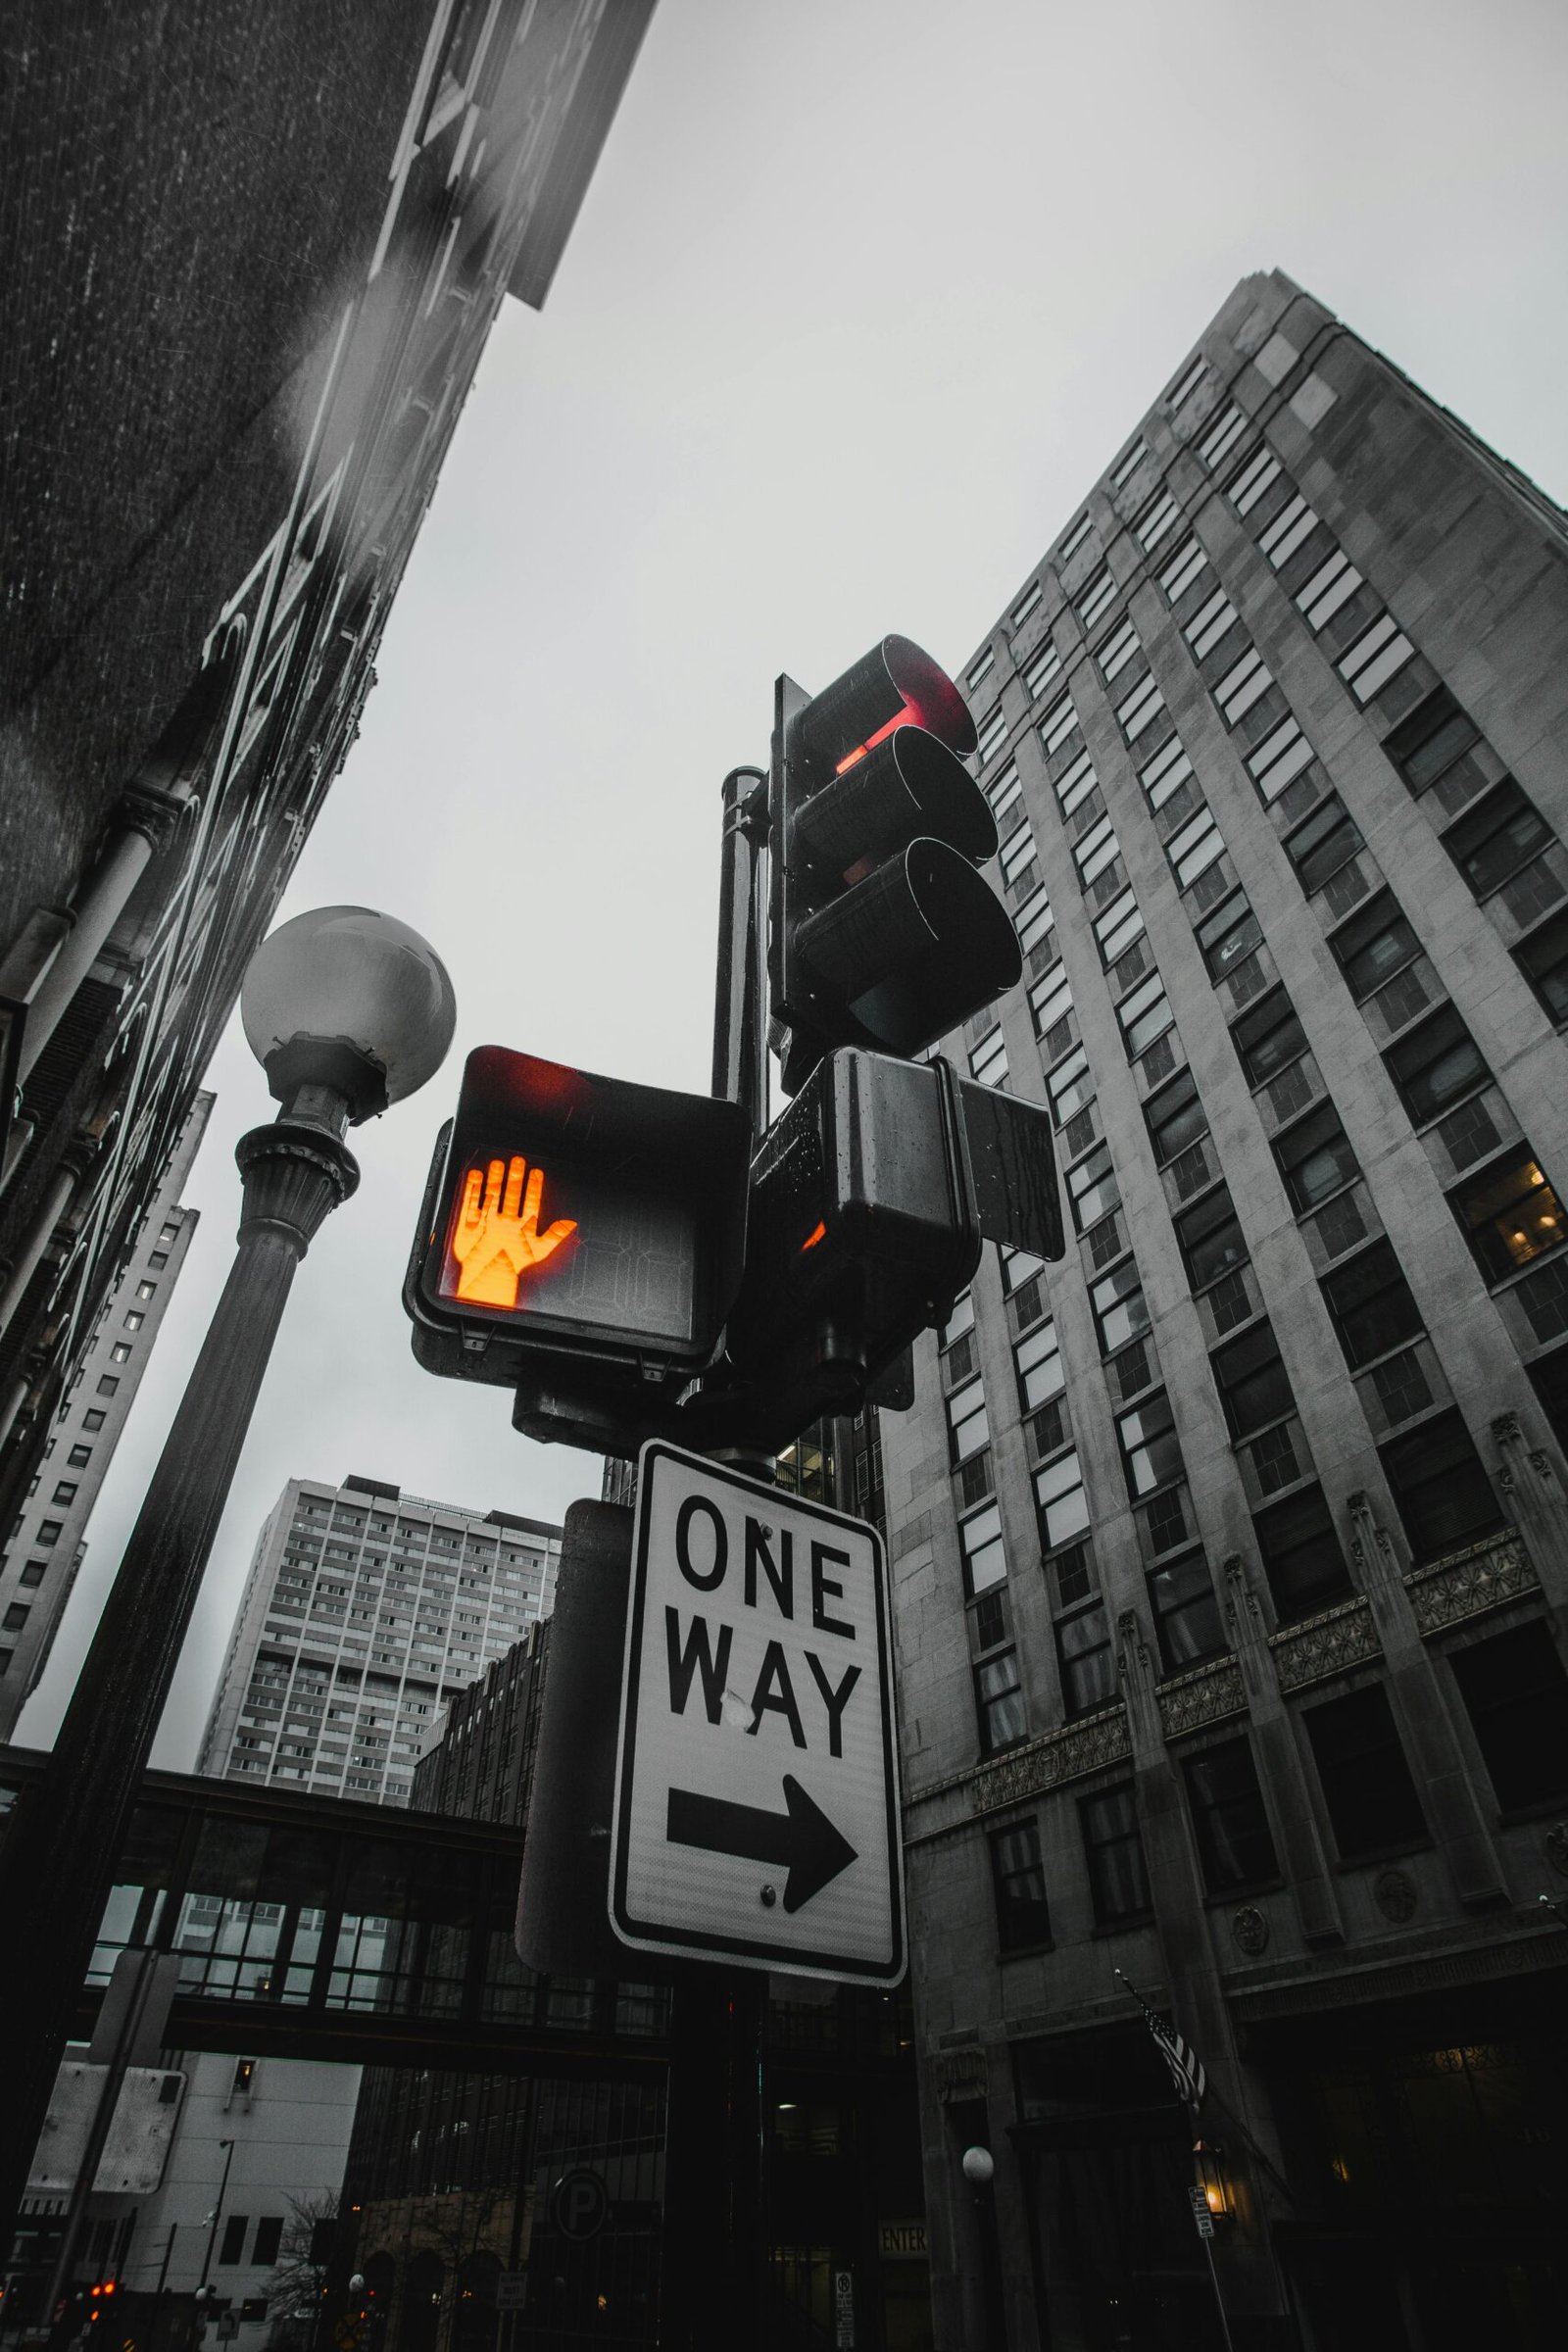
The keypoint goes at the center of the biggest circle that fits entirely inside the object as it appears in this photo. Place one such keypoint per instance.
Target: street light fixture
(348, 1012)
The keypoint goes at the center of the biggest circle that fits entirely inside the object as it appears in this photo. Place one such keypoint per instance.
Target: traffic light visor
(895, 685)
(923, 943)
(587, 1208)
(910, 784)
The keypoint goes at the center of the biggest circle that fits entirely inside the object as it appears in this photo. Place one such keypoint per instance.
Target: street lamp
(348, 1012)
(979, 2169)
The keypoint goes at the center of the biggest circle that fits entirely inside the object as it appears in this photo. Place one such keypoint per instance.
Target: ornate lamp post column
(348, 1012)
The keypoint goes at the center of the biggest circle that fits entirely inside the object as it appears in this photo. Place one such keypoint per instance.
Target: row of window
(1515, 1694)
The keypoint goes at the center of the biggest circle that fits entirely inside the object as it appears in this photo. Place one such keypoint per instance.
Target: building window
(1210, 1239)
(1127, 464)
(1061, 1501)
(1376, 943)
(1234, 1842)
(1175, 1119)
(1040, 1372)
(988, 1063)
(1045, 665)
(1182, 569)
(65, 1492)
(1261, 471)
(108, 1384)
(1509, 1214)
(1074, 785)
(49, 1531)
(1118, 1880)
(78, 1457)
(999, 1702)
(1289, 529)
(1222, 436)
(1315, 1158)
(1437, 744)
(120, 1354)
(1097, 598)
(1121, 1312)
(1025, 605)
(1070, 1085)
(1059, 725)
(967, 1428)
(1143, 1015)
(1228, 936)
(1194, 848)
(133, 1321)
(980, 1542)
(1097, 850)
(1075, 538)
(1435, 1064)
(1279, 760)
(1086, 1658)
(1019, 1880)
(992, 734)
(1377, 655)
(1245, 683)
(1268, 1037)
(1543, 959)
(1371, 1799)
(1187, 1616)
(15, 1616)
(232, 2247)
(1251, 1380)
(1333, 584)
(1443, 1492)
(1516, 1694)
(1118, 651)
(979, 667)
(1116, 930)
(1092, 1188)
(1003, 792)
(1051, 1000)
(1150, 1455)
(1033, 922)
(1212, 621)
(1157, 518)
(94, 1420)
(32, 1572)
(269, 2238)
(1138, 712)
(1372, 1306)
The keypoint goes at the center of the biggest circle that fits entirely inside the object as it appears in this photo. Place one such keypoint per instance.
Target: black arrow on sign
(803, 1840)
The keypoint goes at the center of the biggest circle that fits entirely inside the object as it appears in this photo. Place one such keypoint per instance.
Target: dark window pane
(1150, 1450)
(1176, 1118)
(1234, 1842)
(1251, 1381)
(1376, 943)
(999, 1702)
(1019, 1883)
(1328, 840)
(1509, 1214)
(1187, 1614)
(1228, 935)
(1427, 744)
(1268, 1036)
(1435, 1064)
(233, 2243)
(1549, 1376)
(1544, 960)
(1372, 1306)
(1087, 1659)
(268, 2237)
(1210, 1239)
(1445, 1496)
(1494, 839)
(1315, 1158)
(1516, 1694)
(1113, 1850)
(1367, 1787)
(1301, 1556)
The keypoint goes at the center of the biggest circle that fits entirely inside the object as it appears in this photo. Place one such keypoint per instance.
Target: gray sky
(863, 295)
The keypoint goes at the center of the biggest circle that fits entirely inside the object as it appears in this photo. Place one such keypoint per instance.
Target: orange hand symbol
(493, 1244)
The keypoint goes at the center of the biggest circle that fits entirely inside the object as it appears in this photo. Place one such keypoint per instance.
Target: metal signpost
(757, 1799)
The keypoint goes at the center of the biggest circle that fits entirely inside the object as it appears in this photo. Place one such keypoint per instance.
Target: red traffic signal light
(577, 1221)
(883, 931)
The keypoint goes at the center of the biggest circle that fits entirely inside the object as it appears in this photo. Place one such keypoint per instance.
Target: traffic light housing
(579, 1228)
(883, 932)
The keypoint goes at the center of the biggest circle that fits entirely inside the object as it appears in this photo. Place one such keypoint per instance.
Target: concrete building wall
(1275, 736)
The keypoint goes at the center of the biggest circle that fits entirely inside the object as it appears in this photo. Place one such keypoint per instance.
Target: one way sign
(757, 1796)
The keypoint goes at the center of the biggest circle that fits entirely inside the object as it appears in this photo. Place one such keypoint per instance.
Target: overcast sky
(863, 296)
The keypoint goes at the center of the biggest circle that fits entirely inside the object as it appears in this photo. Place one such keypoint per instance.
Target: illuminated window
(1509, 1214)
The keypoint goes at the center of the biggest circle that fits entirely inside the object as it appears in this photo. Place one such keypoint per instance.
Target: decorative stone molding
(1467, 1583)
(961, 2074)
(1045, 1763)
(1325, 1644)
(1250, 1930)
(1205, 1695)
(1396, 1895)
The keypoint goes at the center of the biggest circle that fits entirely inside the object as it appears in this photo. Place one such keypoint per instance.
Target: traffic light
(883, 932)
(580, 1236)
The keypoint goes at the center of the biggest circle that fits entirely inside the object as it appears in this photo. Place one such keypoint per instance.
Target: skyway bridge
(313, 1926)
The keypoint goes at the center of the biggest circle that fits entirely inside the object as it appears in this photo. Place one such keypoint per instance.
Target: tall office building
(365, 1612)
(1231, 1554)
(262, 255)
(44, 1550)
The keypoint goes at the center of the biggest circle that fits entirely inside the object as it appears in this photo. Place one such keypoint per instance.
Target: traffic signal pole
(740, 997)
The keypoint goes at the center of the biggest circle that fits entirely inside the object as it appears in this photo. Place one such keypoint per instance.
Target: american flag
(1187, 2070)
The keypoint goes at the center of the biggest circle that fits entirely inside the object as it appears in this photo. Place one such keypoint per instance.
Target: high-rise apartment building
(365, 1612)
(48, 1536)
(262, 255)
(1230, 1555)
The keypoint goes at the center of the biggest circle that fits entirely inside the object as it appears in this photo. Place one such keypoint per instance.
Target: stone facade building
(1230, 1555)
(256, 252)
